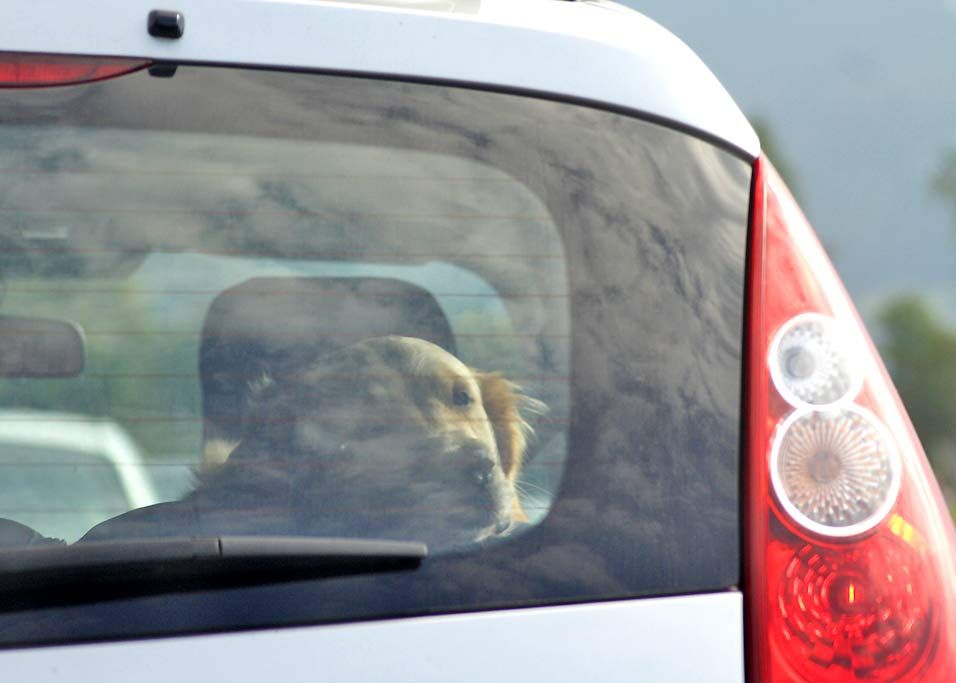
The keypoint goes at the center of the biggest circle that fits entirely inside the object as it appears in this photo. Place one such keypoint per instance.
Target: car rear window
(42, 490)
(325, 307)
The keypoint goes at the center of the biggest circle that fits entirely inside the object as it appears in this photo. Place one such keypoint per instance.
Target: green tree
(943, 184)
(920, 353)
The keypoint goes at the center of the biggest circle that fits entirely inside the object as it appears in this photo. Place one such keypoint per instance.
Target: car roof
(592, 52)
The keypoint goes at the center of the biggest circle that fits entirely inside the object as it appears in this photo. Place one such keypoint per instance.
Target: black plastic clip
(162, 70)
(164, 23)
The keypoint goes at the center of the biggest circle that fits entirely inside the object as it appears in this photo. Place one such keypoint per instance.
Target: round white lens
(811, 362)
(835, 471)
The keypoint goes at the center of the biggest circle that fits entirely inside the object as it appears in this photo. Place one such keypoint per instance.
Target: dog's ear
(507, 407)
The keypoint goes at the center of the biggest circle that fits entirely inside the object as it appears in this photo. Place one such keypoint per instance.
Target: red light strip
(23, 70)
(756, 487)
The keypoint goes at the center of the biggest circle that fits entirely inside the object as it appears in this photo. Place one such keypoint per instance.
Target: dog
(392, 437)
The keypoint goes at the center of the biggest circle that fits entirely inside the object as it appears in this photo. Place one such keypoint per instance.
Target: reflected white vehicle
(90, 466)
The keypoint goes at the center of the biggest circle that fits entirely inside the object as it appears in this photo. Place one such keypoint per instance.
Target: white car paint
(574, 50)
(687, 638)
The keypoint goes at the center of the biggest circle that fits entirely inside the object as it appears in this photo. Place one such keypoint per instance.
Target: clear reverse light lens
(811, 363)
(836, 472)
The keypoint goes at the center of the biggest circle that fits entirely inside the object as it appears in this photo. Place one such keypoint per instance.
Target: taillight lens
(851, 553)
(26, 70)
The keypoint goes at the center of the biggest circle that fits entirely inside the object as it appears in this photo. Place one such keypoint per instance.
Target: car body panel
(582, 51)
(686, 638)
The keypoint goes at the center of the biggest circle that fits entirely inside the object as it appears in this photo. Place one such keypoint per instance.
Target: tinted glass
(507, 327)
(61, 491)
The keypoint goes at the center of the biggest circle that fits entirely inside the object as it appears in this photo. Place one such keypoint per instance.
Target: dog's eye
(461, 398)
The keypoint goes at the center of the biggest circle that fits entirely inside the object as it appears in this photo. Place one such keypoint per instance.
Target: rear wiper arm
(116, 569)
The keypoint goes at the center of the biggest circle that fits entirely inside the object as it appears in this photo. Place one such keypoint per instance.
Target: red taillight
(23, 70)
(851, 553)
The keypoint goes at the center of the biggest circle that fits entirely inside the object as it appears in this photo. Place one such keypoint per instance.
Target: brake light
(851, 553)
(25, 70)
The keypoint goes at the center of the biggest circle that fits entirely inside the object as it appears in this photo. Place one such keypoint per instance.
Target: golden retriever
(392, 437)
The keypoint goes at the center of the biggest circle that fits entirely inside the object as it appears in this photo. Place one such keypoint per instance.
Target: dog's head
(394, 437)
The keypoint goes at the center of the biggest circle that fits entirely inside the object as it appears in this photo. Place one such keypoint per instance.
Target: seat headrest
(275, 325)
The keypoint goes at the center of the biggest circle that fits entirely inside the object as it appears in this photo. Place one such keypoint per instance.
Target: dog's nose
(479, 463)
(482, 472)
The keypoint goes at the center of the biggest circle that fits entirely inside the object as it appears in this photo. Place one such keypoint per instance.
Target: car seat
(275, 325)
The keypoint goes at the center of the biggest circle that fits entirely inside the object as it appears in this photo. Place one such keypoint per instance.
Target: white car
(63, 473)
(348, 256)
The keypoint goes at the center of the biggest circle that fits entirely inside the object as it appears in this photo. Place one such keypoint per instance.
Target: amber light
(832, 602)
(25, 70)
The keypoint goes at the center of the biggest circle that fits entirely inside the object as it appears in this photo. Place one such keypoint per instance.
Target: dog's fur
(392, 437)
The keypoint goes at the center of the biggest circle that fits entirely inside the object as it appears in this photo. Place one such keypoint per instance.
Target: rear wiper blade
(115, 569)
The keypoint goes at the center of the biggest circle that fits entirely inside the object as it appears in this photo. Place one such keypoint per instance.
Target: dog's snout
(483, 472)
(478, 462)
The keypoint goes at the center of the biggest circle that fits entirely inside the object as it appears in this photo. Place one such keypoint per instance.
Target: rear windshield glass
(308, 306)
